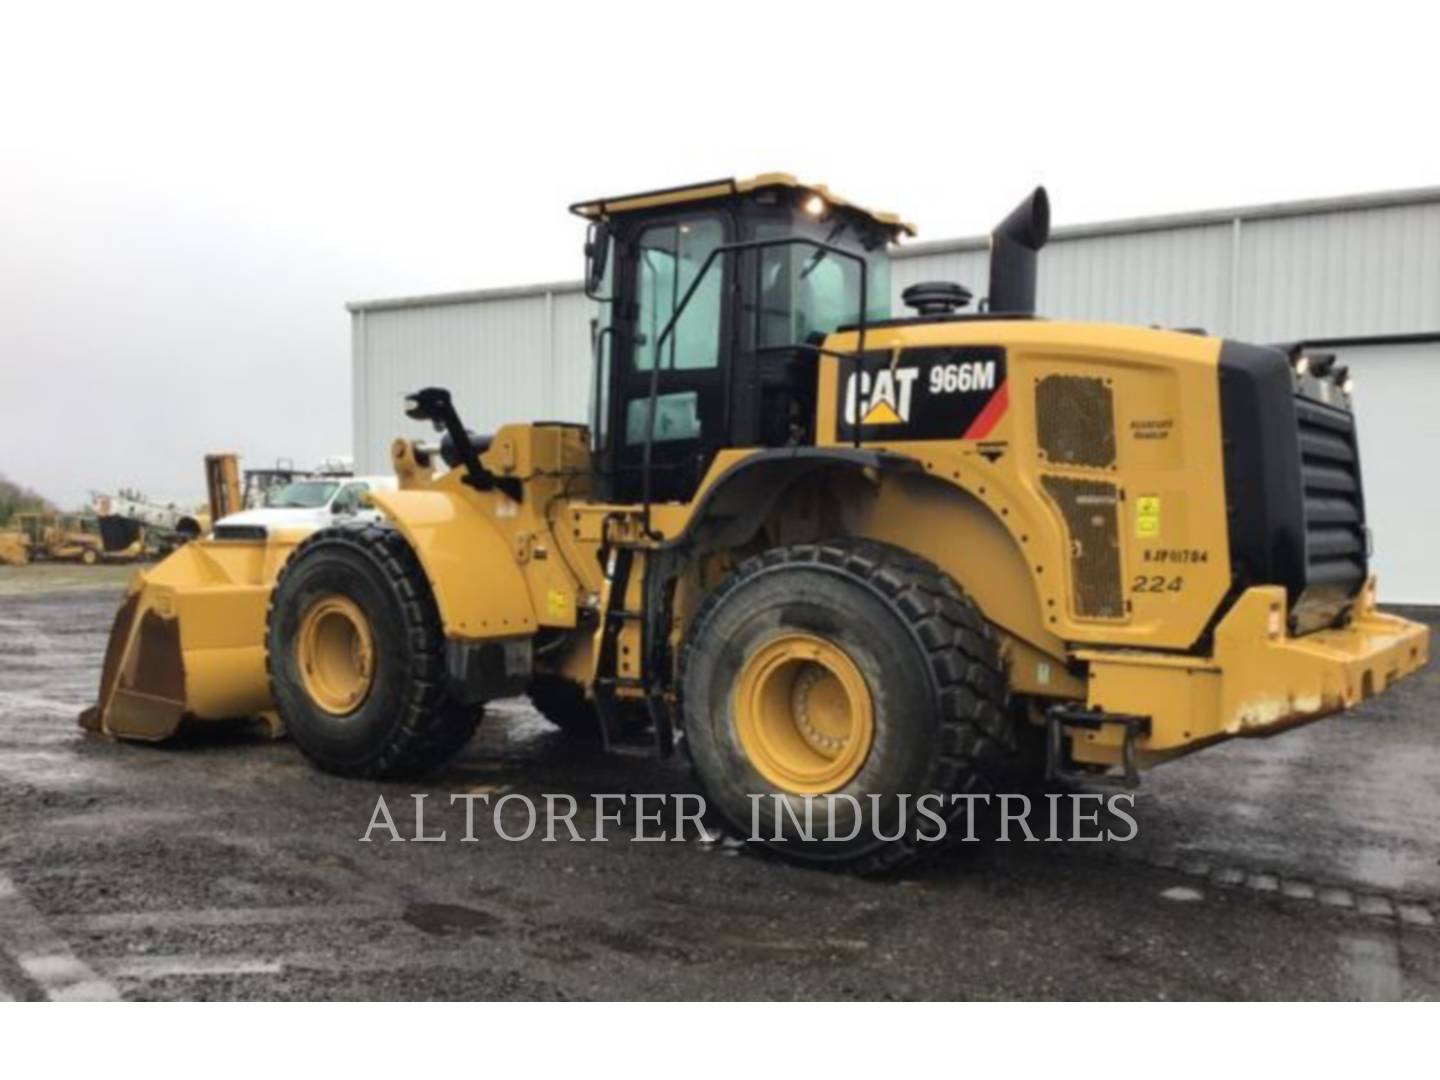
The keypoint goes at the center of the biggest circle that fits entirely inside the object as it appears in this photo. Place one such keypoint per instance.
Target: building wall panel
(1347, 274)
(518, 358)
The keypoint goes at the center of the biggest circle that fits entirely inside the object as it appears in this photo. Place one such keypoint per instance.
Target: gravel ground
(223, 867)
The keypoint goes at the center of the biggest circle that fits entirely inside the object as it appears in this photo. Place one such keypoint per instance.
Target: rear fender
(468, 559)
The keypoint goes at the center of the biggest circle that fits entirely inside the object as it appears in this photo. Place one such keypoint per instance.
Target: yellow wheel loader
(69, 538)
(827, 549)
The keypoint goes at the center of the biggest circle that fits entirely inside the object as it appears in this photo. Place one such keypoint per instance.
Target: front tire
(355, 654)
(844, 669)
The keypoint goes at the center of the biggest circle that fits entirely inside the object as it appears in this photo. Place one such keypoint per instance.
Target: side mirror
(597, 256)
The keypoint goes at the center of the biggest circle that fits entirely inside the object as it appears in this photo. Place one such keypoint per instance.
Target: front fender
(468, 560)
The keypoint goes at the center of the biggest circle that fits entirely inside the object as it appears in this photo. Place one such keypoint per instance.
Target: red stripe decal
(990, 414)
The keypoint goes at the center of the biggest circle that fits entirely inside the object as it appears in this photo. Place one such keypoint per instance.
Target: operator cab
(713, 300)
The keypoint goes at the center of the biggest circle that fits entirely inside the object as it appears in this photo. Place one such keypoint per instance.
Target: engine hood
(277, 517)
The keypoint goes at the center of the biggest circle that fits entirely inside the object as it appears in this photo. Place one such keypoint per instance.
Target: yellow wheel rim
(335, 654)
(803, 714)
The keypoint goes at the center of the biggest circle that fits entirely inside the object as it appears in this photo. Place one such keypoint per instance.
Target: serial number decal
(928, 393)
(1176, 555)
(1156, 583)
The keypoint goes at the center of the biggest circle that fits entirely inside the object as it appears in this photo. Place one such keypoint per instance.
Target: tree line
(18, 499)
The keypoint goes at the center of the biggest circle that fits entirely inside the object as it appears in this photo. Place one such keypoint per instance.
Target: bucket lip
(143, 691)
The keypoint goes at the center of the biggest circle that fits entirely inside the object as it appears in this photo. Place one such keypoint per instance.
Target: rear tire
(398, 719)
(88, 557)
(932, 724)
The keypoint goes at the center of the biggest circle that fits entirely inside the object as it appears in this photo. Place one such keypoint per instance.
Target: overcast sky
(188, 197)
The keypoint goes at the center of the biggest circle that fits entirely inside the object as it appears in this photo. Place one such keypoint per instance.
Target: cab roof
(597, 209)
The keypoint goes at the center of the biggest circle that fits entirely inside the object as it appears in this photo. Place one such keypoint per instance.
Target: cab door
(668, 257)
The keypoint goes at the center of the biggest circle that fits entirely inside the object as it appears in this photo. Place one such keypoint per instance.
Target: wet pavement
(1304, 866)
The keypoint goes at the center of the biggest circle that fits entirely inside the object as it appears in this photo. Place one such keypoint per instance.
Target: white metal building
(1359, 276)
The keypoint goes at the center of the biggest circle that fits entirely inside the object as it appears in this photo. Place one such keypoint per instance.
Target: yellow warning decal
(557, 602)
(1147, 517)
(882, 412)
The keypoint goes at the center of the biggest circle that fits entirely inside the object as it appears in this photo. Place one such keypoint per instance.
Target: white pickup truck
(313, 502)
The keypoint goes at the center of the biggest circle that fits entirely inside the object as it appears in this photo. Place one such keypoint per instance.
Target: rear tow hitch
(1059, 717)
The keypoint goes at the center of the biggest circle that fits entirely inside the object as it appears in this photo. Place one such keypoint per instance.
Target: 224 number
(1156, 583)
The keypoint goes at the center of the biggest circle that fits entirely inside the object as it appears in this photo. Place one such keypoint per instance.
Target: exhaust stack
(1014, 251)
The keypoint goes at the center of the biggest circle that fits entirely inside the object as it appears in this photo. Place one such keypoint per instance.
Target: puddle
(1183, 894)
(46, 770)
(1370, 968)
(443, 919)
(1393, 871)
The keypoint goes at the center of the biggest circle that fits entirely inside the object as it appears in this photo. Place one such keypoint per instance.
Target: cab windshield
(302, 495)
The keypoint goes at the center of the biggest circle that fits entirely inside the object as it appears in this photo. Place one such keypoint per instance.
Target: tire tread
(958, 643)
(433, 727)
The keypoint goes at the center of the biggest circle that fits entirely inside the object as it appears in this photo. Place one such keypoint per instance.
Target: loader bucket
(188, 642)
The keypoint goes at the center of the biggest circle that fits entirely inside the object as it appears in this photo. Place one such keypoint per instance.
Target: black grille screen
(1092, 523)
(1075, 420)
(1334, 511)
(239, 532)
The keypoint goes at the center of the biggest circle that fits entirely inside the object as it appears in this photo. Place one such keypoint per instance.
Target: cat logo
(942, 392)
(883, 397)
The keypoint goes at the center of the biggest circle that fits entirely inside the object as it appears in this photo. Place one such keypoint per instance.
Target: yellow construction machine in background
(222, 485)
(55, 537)
(14, 548)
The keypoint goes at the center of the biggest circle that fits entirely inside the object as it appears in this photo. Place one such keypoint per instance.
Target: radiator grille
(1091, 512)
(1334, 507)
(1075, 421)
(239, 532)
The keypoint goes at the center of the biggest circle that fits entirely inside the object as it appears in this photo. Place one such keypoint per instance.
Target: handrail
(726, 249)
(602, 389)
